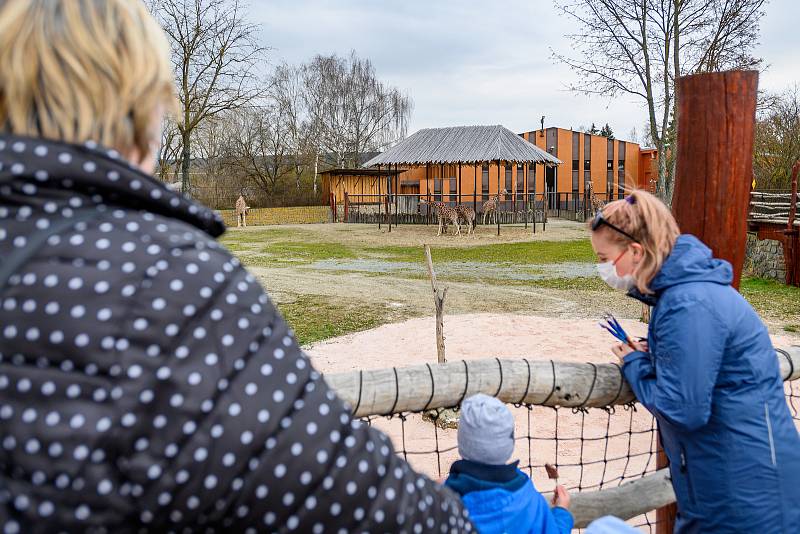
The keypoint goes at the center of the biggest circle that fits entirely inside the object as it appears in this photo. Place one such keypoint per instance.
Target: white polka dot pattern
(147, 382)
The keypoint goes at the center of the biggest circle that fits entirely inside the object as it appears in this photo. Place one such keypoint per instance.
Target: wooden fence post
(438, 301)
(346, 207)
(716, 120)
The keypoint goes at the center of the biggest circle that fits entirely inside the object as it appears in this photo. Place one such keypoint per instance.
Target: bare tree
(639, 47)
(214, 52)
(169, 152)
(287, 92)
(777, 140)
(260, 146)
(351, 111)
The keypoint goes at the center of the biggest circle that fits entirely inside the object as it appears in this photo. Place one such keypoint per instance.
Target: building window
(520, 178)
(437, 189)
(575, 181)
(509, 177)
(453, 186)
(485, 182)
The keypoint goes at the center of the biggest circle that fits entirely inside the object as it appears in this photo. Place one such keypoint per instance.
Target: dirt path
(412, 297)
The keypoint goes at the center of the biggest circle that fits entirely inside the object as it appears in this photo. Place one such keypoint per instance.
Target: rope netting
(592, 448)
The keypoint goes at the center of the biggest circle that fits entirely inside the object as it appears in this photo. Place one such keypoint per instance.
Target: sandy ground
(415, 234)
(592, 449)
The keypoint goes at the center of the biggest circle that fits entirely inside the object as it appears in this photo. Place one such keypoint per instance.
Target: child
(500, 498)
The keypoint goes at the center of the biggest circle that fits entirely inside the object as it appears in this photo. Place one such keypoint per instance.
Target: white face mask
(608, 272)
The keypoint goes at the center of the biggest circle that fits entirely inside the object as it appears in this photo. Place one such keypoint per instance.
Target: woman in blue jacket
(708, 372)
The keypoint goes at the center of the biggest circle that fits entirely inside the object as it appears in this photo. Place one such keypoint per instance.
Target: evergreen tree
(593, 130)
(607, 132)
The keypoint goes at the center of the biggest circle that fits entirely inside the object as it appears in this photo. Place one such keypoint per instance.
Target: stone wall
(293, 215)
(764, 259)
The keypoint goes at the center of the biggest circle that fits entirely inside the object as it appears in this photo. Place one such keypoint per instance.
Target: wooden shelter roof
(463, 144)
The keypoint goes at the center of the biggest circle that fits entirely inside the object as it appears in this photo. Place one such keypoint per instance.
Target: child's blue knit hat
(485, 430)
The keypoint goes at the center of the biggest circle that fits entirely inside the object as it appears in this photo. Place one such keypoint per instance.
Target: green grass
(537, 252)
(771, 298)
(314, 318)
(259, 252)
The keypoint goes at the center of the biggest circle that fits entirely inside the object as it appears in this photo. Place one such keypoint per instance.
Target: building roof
(363, 172)
(463, 144)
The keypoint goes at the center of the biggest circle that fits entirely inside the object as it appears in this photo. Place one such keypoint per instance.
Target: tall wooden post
(475, 191)
(497, 206)
(438, 301)
(716, 119)
(380, 197)
(525, 192)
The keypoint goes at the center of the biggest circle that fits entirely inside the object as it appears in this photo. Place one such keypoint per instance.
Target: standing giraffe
(491, 205)
(241, 211)
(596, 203)
(468, 214)
(444, 214)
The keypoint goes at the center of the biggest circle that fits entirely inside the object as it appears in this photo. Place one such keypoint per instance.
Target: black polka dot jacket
(147, 383)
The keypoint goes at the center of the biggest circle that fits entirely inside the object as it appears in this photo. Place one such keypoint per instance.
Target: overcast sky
(483, 62)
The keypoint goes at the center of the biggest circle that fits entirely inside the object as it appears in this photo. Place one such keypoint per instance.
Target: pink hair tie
(630, 199)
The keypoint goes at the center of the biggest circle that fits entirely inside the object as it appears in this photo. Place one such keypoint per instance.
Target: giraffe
(596, 203)
(241, 211)
(491, 205)
(444, 214)
(468, 214)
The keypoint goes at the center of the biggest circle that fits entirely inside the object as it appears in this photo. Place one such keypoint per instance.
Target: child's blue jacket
(502, 500)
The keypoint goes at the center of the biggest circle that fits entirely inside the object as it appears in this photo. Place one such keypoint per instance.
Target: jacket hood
(467, 476)
(36, 171)
(691, 261)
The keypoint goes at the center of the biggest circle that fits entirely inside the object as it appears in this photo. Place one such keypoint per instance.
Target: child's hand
(561, 497)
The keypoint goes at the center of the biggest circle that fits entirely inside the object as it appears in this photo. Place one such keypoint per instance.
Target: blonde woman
(708, 372)
(147, 383)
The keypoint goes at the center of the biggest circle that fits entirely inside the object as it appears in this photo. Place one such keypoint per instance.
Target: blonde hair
(651, 223)
(80, 70)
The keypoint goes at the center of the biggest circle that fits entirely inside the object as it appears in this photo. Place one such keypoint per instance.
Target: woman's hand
(621, 350)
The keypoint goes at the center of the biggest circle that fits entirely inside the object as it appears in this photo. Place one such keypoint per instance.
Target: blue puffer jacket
(501, 499)
(712, 380)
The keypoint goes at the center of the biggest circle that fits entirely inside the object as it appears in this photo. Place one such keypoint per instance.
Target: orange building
(612, 165)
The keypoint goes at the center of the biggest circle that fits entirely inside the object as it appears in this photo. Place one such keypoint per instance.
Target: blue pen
(616, 329)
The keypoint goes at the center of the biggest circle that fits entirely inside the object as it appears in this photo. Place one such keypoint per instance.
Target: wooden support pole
(380, 198)
(497, 205)
(438, 301)
(716, 120)
(525, 192)
(396, 194)
(475, 191)
(791, 241)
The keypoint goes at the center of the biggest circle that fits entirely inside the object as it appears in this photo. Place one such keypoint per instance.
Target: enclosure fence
(510, 208)
(774, 206)
(581, 418)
